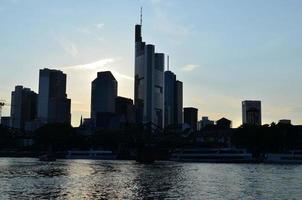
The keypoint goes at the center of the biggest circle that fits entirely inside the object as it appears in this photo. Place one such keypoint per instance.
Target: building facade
(173, 101)
(23, 107)
(124, 108)
(204, 122)
(149, 82)
(53, 104)
(191, 117)
(103, 94)
(251, 113)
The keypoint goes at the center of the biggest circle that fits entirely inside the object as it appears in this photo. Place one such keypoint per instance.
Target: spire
(81, 123)
(141, 16)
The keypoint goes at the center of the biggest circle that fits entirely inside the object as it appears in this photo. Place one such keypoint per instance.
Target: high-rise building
(173, 99)
(251, 113)
(23, 107)
(103, 94)
(53, 104)
(124, 108)
(149, 80)
(191, 117)
(179, 102)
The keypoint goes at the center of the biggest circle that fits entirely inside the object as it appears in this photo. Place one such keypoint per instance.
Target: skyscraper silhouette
(24, 107)
(191, 117)
(173, 101)
(103, 94)
(53, 104)
(148, 84)
(251, 113)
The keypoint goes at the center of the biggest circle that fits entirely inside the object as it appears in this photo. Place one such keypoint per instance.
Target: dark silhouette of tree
(56, 136)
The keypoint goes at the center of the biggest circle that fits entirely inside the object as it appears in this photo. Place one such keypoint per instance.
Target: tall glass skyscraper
(103, 94)
(173, 101)
(24, 107)
(53, 104)
(149, 82)
(251, 113)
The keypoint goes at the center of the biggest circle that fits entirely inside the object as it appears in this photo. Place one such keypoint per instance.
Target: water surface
(27, 178)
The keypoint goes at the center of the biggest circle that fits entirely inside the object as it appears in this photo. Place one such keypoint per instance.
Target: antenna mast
(141, 16)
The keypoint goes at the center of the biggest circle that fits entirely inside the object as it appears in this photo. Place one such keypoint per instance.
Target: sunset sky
(224, 51)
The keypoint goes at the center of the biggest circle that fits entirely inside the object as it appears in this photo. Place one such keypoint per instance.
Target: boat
(91, 154)
(212, 155)
(290, 157)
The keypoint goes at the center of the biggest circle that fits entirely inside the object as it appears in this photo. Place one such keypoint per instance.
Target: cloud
(189, 67)
(68, 46)
(99, 25)
(118, 75)
(100, 65)
(90, 66)
(93, 31)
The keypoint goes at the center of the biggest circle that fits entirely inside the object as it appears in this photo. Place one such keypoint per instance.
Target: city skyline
(213, 89)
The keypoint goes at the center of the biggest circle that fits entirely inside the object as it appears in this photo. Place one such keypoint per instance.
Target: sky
(223, 51)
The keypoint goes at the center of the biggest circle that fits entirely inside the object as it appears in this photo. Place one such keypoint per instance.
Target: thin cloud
(69, 47)
(99, 25)
(189, 67)
(100, 65)
(122, 76)
(93, 31)
(91, 66)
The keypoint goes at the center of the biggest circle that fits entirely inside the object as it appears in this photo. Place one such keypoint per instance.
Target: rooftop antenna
(141, 16)
(168, 62)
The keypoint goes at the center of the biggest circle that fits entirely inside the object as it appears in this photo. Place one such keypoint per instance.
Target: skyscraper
(23, 107)
(173, 99)
(124, 109)
(53, 104)
(179, 102)
(191, 117)
(103, 94)
(251, 113)
(148, 84)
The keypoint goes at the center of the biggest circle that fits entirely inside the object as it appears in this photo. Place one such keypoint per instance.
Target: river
(28, 178)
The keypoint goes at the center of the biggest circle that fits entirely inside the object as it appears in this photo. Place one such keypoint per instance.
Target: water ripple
(28, 178)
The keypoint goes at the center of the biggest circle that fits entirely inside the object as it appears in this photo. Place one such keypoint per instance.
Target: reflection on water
(28, 178)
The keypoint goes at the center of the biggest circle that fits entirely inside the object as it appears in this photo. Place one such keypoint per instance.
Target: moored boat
(91, 154)
(211, 155)
(290, 157)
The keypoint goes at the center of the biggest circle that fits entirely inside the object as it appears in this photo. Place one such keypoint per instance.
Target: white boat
(218, 155)
(91, 154)
(290, 157)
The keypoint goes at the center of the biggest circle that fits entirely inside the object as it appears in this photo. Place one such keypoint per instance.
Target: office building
(191, 117)
(103, 94)
(149, 80)
(124, 108)
(53, 104)
(173, 101)
(178, 102)
(251, 113)
(23, 107)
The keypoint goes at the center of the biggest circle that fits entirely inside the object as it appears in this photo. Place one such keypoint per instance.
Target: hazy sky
(224, 51)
